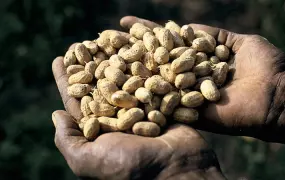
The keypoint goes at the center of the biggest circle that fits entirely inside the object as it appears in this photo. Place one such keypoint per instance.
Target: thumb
(230, 39)
(68, 138)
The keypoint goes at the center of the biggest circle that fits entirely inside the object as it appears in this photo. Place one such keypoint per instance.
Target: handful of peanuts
(134, 82)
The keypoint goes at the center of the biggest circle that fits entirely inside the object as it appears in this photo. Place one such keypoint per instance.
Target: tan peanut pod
(177, 39)
(100, 70)
(108, 124)
(81, 77)
(117, 40)
(214, 60)
(201, 57)
(107, 89)
(124, 100)
(99, 57)
(91, 129)
(84, 105)
(165, 38)
(132, 40)
(202, 45)
(150, 64)
(185, 115)
(154, 105)
(157, 117)
(97, 96)
(91, 67)
(169, 102)
(117, 61)
(82, 54)
(158, 85)
(183, 63)
(124, 49)
(91, 46)
(132, 84)
(210, 39)
(210, 91)
(72, 69)
(143, 95)
(203, 69)
(220, 73)
(177, 52)
(150, 42)
(69, 58)
(222, 52)
(78, 90)
(161, 55)
(157, 29)
(183, 92)
(147, 129)
(192, 99)
(171, 25)
(104, 43)
(167, 74)
(187, 33)
(138, 69)
(82, 121)
(133, 54)
(185, 80)
(100, 109)
(138, 30)
(129, 118)
(200, 80)
(115, 75)
(121, 112)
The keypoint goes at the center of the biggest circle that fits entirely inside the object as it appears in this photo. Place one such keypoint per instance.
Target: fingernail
(53, 117)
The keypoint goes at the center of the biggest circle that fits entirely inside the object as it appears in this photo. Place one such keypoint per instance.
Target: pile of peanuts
(133, 83)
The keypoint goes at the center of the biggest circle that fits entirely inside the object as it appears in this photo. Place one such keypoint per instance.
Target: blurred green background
(34, 32)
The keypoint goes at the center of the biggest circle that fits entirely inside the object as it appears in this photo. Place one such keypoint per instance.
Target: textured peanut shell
(81, 77)
(72, 69)
(101, 109)
(124, 49)
(192, 99)
(202, 45)
(97, 96)
(187, 33)
(117, 61)
(91, 67)
(143, 95)
(167, 73)
(201, 57)
(91, 129)
(169, 102)
(177, 52)
(133, 54)
(220, 73)
(138, 30)
(99, 57)
(149, 62)
(132, 84)
(165, 38)
(171, 25)
(208, 37)
(161, 55)
(124, 100)
(82, 54)
(128, 119)
(177, 39)
(138, 69)
(185, 115)
(150, 42)
(222, 52)
(132, 40)
(91, 46)
(82, 121)
(147, 129)
(203, 69)
(69, 58)
(185, 80)
(200, 80)
(84, 105)
(115, 75)
(107, 89)
(154, 105)
(214, 60)
(157, 85)
(210, 91)
(121, 112)
(157, 117)
(104, 43)
(100, 71)
(182, 64)
(117, 40)
(108, 124)
(78, 90)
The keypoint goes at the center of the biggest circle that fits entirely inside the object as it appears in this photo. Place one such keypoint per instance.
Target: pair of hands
(252, 104)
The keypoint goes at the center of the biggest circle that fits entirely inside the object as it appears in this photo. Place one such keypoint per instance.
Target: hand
(180, 153)
(253, 100)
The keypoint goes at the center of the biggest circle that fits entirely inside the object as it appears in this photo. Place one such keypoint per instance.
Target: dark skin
(251, 104)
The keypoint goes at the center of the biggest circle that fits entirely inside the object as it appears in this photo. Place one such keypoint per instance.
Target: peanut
(220, 73)
(78, 90)
(192, 99)
(177, 39)
(171, 25)
(138, 30)
(201, 57)
(185, 80)
(117, 61)
(99, 57)
(161, 55)
(132, 84)
(84, 105)
(100, 71)
(203, 69)
(133, 54)
(184, 63)
(117, 40)
(107, 89)
(187, 34)
(90, 67)
(91, 129)
(115, 75)
(185, 115)
(82, 54)
(91, 46)
(150, 42)
(132, 40)
(200, 80)
(72, 69)
(165, 38)
(157, 117)
(121, 112)
(209, 38)
(157, 85)
(222, 52)
(129, 118)
(167, 73)
(97, 96)
(210, 90)
(169, 102)
(177, 52)
(81, 77)
(108, 124)
(69, 58)
(138, 69)
(154, 105)
(124, 99)
(143, 95)
(150, 64)
(100, 109)
(147, 129)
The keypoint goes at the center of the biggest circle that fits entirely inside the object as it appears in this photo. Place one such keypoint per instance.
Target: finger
(230, 39)
(71, 104)
(128, 21)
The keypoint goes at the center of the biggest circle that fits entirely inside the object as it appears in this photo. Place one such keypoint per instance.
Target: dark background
(34, 32)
